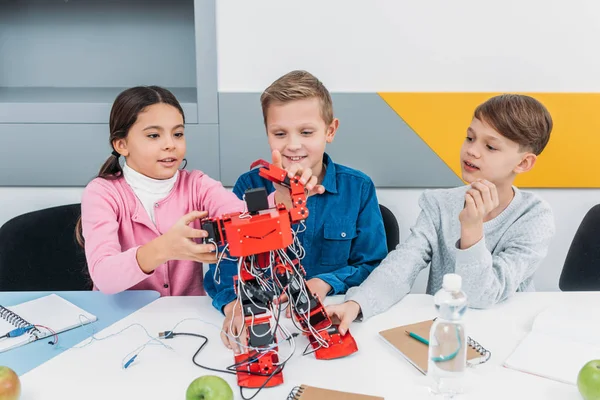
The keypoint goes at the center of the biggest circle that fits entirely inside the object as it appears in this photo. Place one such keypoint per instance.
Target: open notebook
(561, 341)
(50, 311)
(417, 353)
(306, 392)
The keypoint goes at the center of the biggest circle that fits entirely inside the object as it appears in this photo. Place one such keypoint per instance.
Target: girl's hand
(177, 244)
(179, 240)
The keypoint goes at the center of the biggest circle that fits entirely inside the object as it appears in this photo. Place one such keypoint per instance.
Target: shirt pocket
(337, 241)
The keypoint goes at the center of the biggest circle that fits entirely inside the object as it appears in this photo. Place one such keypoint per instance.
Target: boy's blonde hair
(297, 85)
(520, 118)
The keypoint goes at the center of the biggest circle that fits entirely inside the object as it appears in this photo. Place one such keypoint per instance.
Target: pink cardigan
(115, 225)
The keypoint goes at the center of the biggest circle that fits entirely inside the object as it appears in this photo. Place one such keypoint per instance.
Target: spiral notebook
(49, 314)
(417, 353)
(305, 392)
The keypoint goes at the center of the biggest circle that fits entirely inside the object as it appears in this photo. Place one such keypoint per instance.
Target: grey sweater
(500, 264)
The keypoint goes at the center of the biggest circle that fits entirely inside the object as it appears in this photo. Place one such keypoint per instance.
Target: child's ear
(527, 162)
(331, 130)
(120, 146)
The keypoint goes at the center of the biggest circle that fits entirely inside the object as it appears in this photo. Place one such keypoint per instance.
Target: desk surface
(94, 372)
(108, 308)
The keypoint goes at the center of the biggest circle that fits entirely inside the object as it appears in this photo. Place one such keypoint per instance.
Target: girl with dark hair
(139, 221)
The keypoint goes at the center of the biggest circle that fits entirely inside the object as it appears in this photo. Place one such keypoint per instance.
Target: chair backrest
(38, 252)
(392, 230)
(581, 271)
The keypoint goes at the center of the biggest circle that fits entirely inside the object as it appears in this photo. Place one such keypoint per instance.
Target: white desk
(94, 372)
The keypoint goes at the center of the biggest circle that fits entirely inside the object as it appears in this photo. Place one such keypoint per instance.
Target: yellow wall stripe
(570, 160)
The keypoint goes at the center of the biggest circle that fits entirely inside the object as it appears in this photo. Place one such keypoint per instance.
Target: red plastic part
(264, 365)
(258, 235)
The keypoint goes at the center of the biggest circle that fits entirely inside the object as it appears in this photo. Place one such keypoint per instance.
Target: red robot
(268, 257)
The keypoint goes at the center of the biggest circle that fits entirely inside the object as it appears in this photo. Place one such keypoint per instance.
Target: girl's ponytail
(111, 168)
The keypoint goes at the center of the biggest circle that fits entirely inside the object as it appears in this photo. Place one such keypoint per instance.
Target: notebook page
(11, 343)
(5, 327)
(580, 324)
(551, 357)
(54, 312)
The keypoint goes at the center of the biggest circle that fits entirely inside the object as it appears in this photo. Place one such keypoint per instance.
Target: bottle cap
(452, 282)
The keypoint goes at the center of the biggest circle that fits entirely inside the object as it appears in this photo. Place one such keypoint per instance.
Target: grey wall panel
(203, 148)
(52, 155)
(97, 43)
(371, 138)
(34, 105)
(72, 154)
(206, 61)
(241, 133)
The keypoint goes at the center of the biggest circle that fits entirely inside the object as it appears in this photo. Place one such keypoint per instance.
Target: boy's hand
(282, 193)
(480, 200)
(316, 286)
(235, 314)
(345, 312)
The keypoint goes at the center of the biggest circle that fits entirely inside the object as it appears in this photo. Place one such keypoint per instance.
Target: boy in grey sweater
(489, 232)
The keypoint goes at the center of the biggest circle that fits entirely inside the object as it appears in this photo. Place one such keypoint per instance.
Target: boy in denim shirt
(344, 239)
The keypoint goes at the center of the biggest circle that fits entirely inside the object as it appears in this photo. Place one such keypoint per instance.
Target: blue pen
(417, 337)
(426, 342)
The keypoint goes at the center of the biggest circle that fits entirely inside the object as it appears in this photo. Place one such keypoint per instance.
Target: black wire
(199, 350)
(275, 372)
(304, 353)
(227, 370)
(270, 376)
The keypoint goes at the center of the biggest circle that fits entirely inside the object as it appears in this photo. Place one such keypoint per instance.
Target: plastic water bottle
(447, 339)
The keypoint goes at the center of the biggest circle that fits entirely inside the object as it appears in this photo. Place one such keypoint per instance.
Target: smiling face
(297, 130)
(486, 154)
(155, 143)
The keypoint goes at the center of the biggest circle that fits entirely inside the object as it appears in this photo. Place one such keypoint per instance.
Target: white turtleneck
(148, 190)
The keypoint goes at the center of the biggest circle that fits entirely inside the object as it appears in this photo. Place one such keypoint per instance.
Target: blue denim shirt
(344, 238)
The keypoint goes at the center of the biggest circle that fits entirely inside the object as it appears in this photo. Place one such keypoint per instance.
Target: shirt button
(343, 234)
(166, 285)
(156, 205)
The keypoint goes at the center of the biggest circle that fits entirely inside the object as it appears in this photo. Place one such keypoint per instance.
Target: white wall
(569, 207)
(16, 200)
(408, 45)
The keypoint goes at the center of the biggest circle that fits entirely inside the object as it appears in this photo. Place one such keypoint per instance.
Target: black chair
(392, 230)
(581, 271)
(38, 252)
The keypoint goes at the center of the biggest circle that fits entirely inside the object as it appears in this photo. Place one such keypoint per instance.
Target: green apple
(10, 385)
(588, 380)
(208, 387)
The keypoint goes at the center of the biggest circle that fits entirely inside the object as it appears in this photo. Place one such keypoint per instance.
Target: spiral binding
(295, 393)
(12, 318)
(480, 349)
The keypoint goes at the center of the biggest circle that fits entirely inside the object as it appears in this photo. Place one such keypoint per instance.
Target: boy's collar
(329, 180)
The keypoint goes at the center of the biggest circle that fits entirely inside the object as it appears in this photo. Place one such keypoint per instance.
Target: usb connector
(19, 331)
(165, 335)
